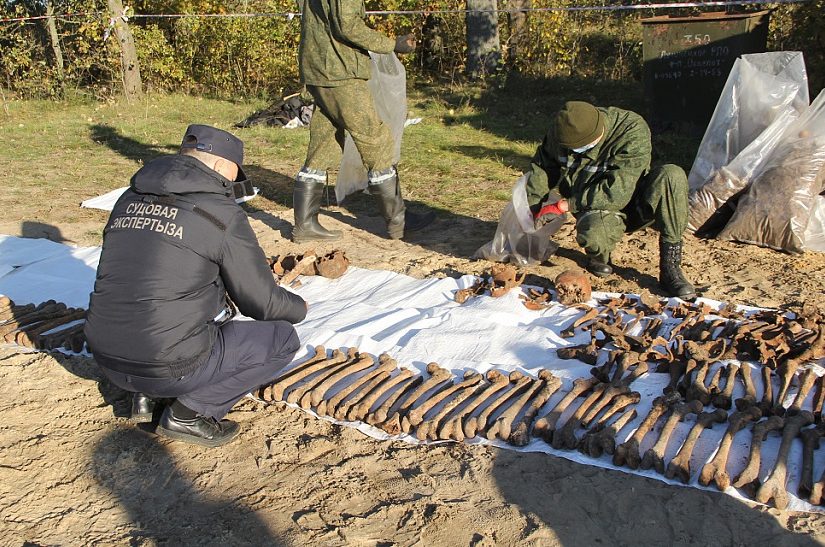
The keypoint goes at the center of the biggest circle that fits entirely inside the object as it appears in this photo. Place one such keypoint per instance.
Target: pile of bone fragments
(705, 352)
(49, 325)
(287, 268)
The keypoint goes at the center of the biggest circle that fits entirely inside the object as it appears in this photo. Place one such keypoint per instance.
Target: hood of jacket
(178, 175)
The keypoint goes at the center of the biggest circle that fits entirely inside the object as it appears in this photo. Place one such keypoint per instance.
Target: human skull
(505, 277)
(332, 265)
(572, 287)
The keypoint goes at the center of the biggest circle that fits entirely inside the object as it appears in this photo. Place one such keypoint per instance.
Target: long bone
(502, 426)
(748, 479)
(546, 425)
(723, 399)
(416, 415)
(627, 453)
(602, 372)
(655, 455)
(805, 385)
(679, 466)
(317, 362)
(715, 470)
(810, 442)
(298, 393)
(8, 331)
(819, 398)
(619, 386)
(428, 429)
(520, 435)
(539, 388)
(766, 404)
(9, 314)
(340, 403)
(331, 406)
(618, 404)
(588, 315)
(404, 382)
(437, 377)
(697, 390)
(677, 369)
(713, 385)
(602, 440)
(787, 371)
(358, 406)
(476, 425)
(316, 395)
(29, 336)
(364, 389)
(454, 428)
(58, 338)
(566, 436)
(750, 390)
(774, 486)
(690, 368)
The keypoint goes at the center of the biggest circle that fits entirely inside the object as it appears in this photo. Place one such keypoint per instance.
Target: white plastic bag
(517, 239)
(777, 207)
(815, 232)
(388, 85)
(760, 88)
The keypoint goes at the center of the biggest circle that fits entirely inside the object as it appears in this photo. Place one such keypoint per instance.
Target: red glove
(547, 212)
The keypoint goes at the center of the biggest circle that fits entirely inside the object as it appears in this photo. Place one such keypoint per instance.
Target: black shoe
(142, 408)
(671, 278)
(198, 430)
(598, 268)
(306, 198)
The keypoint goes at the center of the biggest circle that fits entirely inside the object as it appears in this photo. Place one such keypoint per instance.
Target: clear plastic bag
(388, 85)
(516, 238)
(760, 88)
(712, 205)
(815, 232)
(777, 207)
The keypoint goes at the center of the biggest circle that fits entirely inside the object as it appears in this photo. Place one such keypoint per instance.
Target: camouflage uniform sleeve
(347, 25)
(544, 171)
(630, 162)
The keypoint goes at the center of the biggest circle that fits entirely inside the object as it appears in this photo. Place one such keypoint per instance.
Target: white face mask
(586, 147)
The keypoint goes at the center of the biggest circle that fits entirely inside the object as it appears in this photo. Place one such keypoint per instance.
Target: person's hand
(548, 212)
(405, 44)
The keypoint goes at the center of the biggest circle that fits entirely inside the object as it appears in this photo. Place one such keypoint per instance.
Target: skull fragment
(573, 287)
(505, 277)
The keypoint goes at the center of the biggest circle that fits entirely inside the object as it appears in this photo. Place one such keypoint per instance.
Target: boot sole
(192, 439)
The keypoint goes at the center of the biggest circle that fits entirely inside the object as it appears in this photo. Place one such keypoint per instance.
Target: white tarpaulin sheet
(417, 321)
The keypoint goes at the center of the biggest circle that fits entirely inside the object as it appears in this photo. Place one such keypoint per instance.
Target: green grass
(464, 157)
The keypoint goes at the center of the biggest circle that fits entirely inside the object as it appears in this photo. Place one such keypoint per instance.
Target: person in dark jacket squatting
(598, 161)
(335, 66)
(175, 246)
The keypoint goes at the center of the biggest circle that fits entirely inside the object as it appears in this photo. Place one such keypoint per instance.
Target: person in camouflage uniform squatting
(598, 160)
(335, 66)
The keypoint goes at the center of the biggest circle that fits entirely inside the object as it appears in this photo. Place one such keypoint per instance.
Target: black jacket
(175, 244)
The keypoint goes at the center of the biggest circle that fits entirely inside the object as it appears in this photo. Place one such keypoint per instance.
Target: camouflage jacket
(335, 40)
(604, 177)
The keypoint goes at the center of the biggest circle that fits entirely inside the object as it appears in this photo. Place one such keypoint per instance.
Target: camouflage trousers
(660, 200)
(347, 108)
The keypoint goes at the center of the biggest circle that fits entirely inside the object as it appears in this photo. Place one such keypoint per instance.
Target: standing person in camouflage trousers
(335, 66)
(598, 160)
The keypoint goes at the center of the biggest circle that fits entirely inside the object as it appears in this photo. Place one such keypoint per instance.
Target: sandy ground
(74, 471)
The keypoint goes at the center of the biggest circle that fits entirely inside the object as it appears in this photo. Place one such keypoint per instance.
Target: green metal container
(687, 61)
